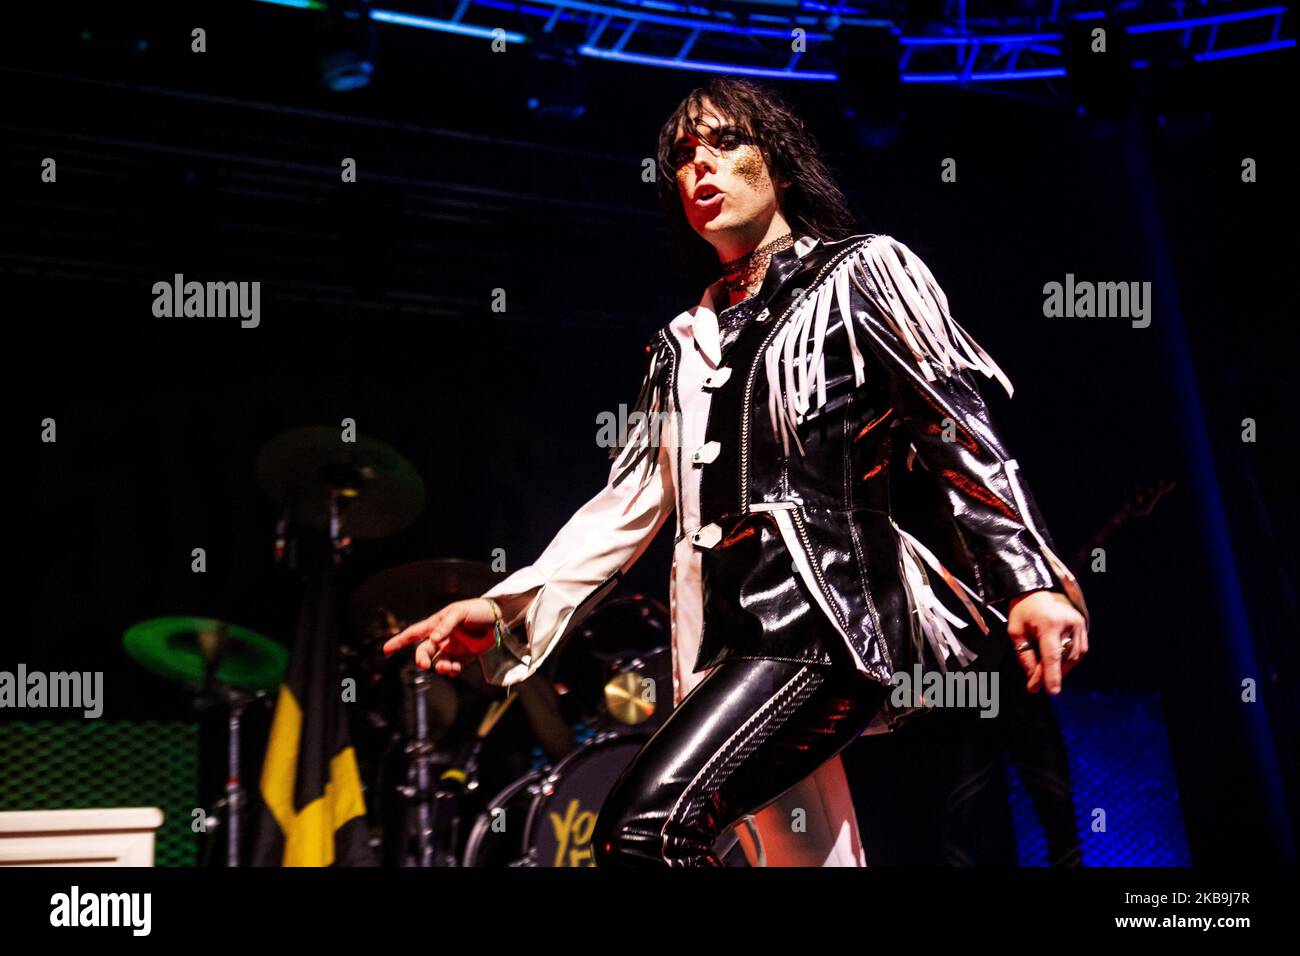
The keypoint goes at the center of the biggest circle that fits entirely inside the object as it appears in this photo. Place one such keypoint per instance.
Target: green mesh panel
(98, 763)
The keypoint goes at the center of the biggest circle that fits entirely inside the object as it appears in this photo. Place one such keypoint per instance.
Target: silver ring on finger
(1023, 646)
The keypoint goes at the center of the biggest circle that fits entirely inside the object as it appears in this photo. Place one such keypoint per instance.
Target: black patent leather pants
(749, 731)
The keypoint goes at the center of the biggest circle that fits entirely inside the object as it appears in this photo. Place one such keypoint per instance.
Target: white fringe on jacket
(934, 621)
(911, 302)
(650, 408)
(915, 308)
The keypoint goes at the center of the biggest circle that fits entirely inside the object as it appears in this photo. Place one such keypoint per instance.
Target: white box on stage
(119, 836)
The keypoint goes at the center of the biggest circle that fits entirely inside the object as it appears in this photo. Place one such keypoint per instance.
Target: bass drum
(547, 817)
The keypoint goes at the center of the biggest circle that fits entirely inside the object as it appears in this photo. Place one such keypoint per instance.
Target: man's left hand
(1044, 619)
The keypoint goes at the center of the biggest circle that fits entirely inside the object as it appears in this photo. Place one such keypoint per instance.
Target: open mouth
(708, 196)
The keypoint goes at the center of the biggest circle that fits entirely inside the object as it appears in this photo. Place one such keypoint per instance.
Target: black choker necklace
(739, 274)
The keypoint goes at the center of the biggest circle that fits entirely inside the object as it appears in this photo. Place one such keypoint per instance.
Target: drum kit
(455, 771)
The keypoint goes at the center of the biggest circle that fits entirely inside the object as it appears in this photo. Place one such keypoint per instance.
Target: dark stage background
(376, 306)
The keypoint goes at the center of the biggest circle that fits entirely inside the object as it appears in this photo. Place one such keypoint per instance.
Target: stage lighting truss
(969, 45)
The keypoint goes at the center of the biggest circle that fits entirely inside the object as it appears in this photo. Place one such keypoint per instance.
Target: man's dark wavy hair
(813, 203)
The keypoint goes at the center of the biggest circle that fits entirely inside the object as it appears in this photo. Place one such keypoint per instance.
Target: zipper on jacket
(797, 517)
(677, 424)
(744, 416)
(745, 411)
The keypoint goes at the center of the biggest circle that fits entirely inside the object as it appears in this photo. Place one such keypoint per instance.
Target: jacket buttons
(717, 377)
(707, 536)
(706, 452)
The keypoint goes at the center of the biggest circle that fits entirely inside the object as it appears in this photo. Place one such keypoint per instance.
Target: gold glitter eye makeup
(733, 135)
(727, 138)
(750, 168)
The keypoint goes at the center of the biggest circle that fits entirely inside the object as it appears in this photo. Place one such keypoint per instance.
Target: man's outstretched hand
(459, 632)
(1044, 618)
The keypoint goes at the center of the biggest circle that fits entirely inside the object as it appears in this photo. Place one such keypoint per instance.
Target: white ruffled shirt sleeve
(581, 565)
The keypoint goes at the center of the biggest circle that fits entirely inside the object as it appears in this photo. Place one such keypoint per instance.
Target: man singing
(770, 414)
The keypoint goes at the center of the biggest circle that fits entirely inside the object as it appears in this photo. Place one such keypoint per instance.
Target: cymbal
(619, 645)
(380, 490)
(391, 599)
(184, 648)
(625, 699)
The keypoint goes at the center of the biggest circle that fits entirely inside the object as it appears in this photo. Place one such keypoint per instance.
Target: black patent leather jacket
(853, 349)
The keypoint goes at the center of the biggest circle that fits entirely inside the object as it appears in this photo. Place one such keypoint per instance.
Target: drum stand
(236, 702)
(432, 815)
(231, 806)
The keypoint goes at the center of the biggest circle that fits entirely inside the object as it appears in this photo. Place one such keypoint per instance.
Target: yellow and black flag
(315, 813)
